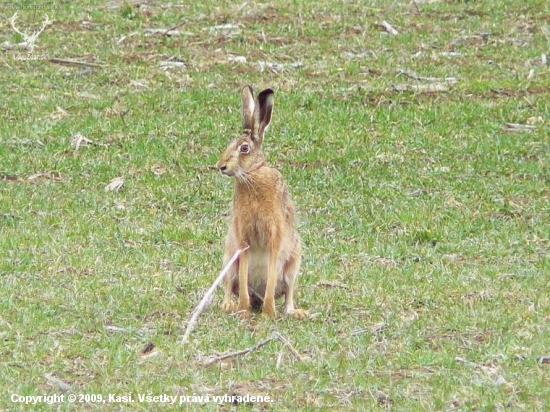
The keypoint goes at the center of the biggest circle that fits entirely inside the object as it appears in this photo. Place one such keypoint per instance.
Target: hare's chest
(257, 223)
(259, 231)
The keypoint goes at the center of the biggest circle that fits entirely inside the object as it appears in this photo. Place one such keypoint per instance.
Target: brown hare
(262, 218)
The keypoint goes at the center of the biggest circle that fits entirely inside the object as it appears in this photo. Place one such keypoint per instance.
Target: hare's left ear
(248, 108)
(263, 112)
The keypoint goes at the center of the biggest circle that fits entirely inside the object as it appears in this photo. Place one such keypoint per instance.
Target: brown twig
(201, 306)
(274, 336)
(415, 76)
(289, 346)
(177, 26)
(220, 358)
(66, 62)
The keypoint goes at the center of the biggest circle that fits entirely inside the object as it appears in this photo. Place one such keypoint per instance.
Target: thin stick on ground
(220, 358)
(389, 28)
(289, 346)
(201, 306)
(66, 62)
(415, 76)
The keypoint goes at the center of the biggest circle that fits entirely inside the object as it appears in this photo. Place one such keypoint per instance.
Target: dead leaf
(475, 39)
(450, 54)
(115, 185)
(534, 120)
(158, 170)
(116, 329)
(279, 67)
(453, 258)
(139, 84)
(55, 176)
(385, 262)
(80, 140)
(333, 284)
(57, 382)
(422, 88)
(516, 127)
(385, 401)
(10, 46)
(236, 59)
(415, 76)
(228, 29)
(164, 32)
(59, 113)
(120, 205)
(389, 28)
(481, 296)
(88, 96)
(171, 64)
(373, 330)
(154, 353)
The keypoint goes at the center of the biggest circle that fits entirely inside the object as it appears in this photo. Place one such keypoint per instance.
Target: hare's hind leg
(291, 269)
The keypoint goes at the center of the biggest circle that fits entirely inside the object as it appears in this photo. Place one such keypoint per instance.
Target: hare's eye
(244, 148)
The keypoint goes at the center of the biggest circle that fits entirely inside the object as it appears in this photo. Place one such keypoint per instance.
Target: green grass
(425, 224)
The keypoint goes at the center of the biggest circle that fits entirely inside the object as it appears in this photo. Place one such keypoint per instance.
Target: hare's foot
(243, 314)
(229, 306)
(243, 310)
(299, 314)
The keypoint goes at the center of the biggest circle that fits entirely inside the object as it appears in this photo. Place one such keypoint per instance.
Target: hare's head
(244, 154)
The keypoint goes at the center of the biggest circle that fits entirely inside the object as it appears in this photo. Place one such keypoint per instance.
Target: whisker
(247, 180)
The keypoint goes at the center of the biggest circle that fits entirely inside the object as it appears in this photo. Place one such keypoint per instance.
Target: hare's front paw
(300, 314)
(268, 309)
(229, 306)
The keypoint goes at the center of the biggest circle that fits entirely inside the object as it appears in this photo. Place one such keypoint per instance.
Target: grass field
(424, 213)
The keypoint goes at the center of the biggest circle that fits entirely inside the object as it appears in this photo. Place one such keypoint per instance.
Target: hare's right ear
(248, 108)
(263, 112)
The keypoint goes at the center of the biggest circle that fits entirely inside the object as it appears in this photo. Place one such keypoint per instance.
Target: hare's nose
(223, 168)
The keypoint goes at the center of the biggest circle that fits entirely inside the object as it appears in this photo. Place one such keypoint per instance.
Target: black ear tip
(266, 95)
(267, 92)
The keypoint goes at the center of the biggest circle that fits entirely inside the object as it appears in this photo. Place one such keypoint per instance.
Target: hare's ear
(263, 112)
(248, 108)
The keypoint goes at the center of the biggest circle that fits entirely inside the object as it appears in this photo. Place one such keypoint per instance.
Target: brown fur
(262, 217)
